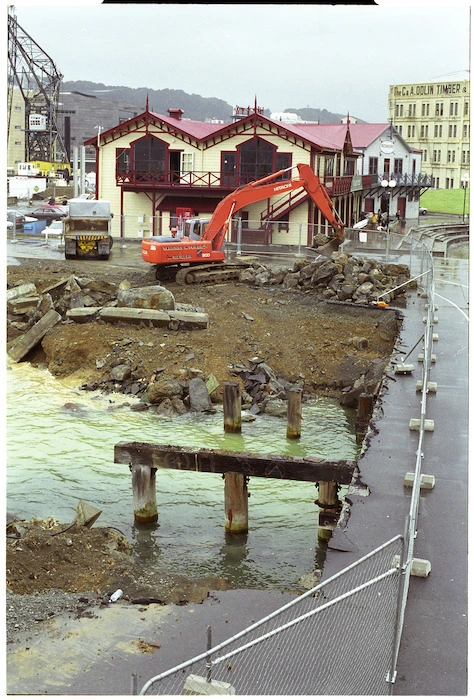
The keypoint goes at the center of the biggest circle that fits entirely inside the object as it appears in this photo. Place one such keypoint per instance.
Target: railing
(343, 636)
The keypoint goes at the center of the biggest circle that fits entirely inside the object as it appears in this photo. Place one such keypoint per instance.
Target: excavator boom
(265, 188)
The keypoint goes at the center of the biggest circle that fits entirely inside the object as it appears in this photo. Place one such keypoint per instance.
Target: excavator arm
(270, 187)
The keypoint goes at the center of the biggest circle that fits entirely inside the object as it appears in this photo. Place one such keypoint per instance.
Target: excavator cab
(194, 228)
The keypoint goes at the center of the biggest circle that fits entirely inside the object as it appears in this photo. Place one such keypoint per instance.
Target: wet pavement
(98, 656)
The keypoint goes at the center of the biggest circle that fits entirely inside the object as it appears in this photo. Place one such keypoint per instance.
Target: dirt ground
(299, 337)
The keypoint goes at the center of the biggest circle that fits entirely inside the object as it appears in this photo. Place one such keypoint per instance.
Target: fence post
(239, 236)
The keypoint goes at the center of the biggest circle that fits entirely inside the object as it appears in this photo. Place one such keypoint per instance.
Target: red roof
(325, 136)
(364, 134)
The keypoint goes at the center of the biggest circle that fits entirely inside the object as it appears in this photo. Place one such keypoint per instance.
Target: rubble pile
(342, 277)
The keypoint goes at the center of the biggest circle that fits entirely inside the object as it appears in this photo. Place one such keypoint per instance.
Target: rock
(276, 407)
(153, 297)
(291, 279)
(324, 273)
(359, 343)
(164, 387)
(121, 373)
(101, 286)
(199, 399)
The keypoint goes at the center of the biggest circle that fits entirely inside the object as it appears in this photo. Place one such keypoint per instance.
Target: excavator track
(209, 274)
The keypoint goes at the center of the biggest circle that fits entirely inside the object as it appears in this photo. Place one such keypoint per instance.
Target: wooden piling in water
(232, 408)
(365, 407)
(144, 493)
(293, 419)
(329, 506)
(236, 503)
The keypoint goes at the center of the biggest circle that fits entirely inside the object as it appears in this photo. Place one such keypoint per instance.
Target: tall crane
(34, 73)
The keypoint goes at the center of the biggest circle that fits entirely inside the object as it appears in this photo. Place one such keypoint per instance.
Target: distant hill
(193, 106)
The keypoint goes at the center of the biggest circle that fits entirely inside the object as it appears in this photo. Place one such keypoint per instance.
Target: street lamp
(464, 185)
(388, 184)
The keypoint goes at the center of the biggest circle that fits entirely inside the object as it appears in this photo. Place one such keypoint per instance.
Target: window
(422, 131)
(466, 109)
(399, 129)
(256, 159)
(450, 130)
(423, 109)
(439, 109)
(282, 162)
(409, 131)
(451, 109)
(440, 130)
(398, 166)
(229, 168)
(149, 155)
(349, 166)
(329, 166)
(373, 166)
(122, 160)
(455, 129)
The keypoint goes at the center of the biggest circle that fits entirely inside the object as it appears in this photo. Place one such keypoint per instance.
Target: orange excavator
(199, 254)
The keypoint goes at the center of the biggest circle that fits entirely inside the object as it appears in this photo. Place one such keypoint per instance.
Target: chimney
(175, 113)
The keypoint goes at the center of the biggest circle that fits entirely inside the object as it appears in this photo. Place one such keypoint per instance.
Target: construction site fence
(343, 636)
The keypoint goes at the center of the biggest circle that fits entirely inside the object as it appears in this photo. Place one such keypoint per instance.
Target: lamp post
(388, 186)
(464, 185)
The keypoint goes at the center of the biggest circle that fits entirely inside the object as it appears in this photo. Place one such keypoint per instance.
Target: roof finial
(146, 104)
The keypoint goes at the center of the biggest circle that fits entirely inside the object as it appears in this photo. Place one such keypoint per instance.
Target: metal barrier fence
(343, 636)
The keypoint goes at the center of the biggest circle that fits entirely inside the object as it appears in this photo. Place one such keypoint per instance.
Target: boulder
(163, 388)
(121, 373)
(153, 297)
(199, 399)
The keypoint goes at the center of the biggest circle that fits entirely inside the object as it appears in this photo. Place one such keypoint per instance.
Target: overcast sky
(340, 58)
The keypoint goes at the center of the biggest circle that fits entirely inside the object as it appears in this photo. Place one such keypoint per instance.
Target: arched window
(256, 159)
(148, 155)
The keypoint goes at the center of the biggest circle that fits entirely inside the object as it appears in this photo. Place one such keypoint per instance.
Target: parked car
(49, 212)
(423, 211)
(56, 228)
(9, 225)
(17, 218)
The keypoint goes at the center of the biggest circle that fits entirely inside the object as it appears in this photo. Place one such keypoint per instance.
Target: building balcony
(207, 181)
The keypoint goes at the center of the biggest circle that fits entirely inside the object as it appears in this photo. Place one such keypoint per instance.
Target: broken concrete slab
(189, 319)
(123, 314)
(23, 290)
(26, 342)
(83, 314)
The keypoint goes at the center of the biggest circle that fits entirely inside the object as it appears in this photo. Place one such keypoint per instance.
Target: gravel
(25, 613)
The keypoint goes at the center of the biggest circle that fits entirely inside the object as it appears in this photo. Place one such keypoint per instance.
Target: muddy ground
(300, 337)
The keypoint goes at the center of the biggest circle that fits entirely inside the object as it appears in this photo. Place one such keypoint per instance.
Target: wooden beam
(222, 461)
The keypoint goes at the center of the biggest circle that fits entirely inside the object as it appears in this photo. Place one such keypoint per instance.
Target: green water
(57, 457)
